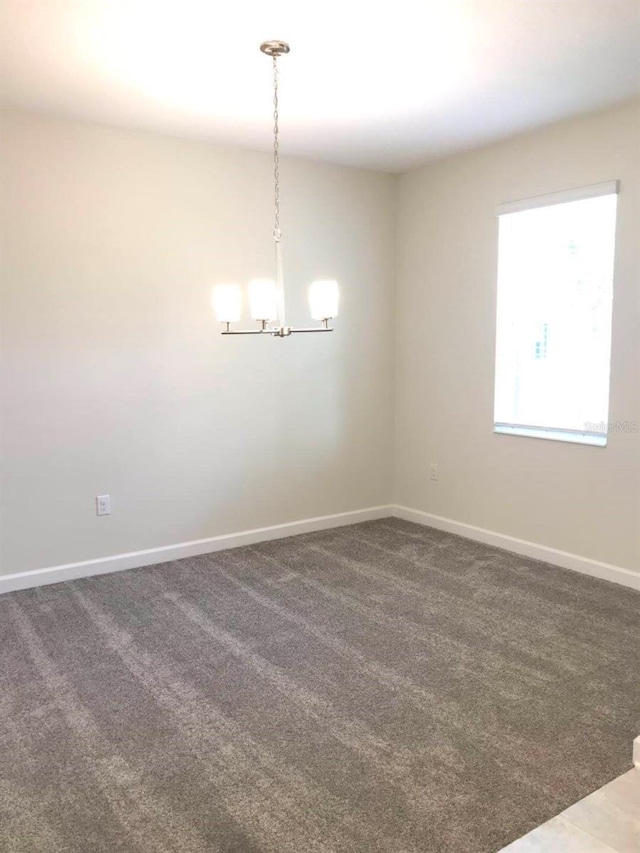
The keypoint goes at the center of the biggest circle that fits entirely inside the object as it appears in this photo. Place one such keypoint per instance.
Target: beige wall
(115, 380)
(585, 500)
(114, 377)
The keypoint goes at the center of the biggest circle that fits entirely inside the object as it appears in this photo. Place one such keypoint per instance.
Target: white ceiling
(387, 85)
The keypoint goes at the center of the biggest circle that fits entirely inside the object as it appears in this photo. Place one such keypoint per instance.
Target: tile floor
(607, 821)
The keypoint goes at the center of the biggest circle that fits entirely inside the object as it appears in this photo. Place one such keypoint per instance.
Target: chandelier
(266, 296)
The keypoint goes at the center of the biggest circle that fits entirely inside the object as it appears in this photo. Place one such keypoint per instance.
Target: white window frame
(593, 438)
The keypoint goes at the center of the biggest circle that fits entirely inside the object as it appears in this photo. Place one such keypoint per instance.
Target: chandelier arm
(276, 333)
(242, 332)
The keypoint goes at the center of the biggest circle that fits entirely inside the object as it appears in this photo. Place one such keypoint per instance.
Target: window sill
(593, 439)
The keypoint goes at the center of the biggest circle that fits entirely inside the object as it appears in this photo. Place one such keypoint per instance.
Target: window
(555, 290)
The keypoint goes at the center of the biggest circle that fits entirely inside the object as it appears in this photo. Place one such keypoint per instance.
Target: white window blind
(555, 291)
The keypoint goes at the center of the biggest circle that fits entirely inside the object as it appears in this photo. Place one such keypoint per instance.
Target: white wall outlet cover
(103, 505)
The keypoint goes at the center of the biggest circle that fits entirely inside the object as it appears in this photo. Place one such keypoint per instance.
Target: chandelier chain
(277, 233)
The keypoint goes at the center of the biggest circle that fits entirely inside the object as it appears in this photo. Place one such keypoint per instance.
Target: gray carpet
(380, 687)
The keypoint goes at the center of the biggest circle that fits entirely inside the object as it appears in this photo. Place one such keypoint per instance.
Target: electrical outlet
(434, 474)
(103, 505)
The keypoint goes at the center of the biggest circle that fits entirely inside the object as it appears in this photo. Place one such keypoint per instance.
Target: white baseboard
(150, 556)
(565, 559)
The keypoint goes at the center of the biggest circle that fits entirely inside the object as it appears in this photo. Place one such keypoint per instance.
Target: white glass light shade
(323, 299)
(262, 299)
(227, 302)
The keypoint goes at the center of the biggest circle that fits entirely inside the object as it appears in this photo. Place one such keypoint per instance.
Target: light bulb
(227, 302)
(262, 299)
(323, 299)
